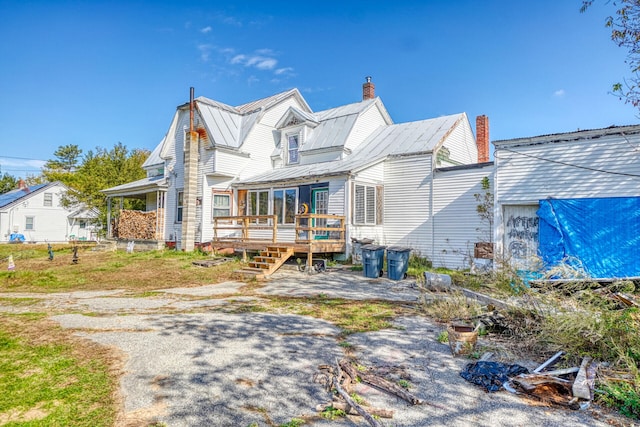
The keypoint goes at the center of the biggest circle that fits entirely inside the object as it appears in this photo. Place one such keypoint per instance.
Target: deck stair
(268, 261)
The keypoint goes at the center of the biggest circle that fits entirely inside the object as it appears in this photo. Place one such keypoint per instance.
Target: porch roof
(139, 187)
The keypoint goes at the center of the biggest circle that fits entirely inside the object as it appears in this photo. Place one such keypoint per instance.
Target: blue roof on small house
(14, 195)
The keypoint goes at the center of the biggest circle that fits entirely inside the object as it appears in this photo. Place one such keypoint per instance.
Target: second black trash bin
(397, 262)
(373, 260)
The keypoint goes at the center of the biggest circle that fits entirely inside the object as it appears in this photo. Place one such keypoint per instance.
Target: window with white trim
(179, 206)
(30, 223)
(48, 199)
(285, 201)
(258, 203)
(293, 145)
(365, 204)
(221, 204)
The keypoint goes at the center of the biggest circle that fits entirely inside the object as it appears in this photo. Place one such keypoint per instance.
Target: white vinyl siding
(574, 169)
(456, 223)
(366, 124)
(407, 197)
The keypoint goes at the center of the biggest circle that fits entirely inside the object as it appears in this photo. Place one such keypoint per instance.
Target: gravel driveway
(190, 363)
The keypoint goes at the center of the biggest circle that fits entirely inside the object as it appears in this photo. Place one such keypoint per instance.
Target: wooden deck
(311, 233)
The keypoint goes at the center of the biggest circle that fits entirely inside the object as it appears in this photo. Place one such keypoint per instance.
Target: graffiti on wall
(521, 234)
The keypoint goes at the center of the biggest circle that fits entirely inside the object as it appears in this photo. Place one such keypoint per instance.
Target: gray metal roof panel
(223, 125)
(140, 186)
(154, 158)
(400, 139)
(330, 133)
(570, 136)
(270, 100)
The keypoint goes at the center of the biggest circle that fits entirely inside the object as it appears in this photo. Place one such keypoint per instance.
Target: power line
(21, 158)
(568, 164)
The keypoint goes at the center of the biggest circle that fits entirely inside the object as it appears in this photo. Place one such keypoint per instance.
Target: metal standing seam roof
(571, 136)
(394, 140)
(15, 195)
(140, 186)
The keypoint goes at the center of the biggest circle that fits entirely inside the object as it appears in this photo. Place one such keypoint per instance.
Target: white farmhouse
(273, 173)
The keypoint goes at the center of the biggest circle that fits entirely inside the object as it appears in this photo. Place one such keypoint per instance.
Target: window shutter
(360, 204)
(379, 204)
(370, 212)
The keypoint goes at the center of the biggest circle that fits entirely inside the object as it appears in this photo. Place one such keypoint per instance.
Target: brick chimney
(368, 89)
(482, 138)
(23, 186)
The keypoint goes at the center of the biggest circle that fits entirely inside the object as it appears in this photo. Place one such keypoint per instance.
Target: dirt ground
(193, 357)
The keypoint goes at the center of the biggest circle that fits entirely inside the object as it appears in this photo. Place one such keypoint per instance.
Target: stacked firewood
(137, 225)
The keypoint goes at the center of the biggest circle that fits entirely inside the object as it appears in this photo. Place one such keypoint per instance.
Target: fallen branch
(376, 412)
(383, 385)
(350, 402)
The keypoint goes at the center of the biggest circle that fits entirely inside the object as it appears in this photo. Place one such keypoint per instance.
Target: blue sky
(98, 73)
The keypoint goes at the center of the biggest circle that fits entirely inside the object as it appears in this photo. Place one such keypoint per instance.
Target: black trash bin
(373, 260)
(397, 262)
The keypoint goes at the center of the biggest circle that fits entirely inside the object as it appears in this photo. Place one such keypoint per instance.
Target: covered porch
(136, 211)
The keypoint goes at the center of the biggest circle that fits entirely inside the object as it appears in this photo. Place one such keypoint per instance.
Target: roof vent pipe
(191, 109)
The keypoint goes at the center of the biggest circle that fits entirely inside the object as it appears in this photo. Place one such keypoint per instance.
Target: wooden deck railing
(309, 228)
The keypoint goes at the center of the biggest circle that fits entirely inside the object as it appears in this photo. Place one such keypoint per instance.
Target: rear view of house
(274, 172)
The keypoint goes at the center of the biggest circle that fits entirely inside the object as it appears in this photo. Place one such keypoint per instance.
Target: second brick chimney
(482, 138)
(368, 89)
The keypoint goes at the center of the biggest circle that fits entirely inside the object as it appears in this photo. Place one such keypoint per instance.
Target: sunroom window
(284, 205)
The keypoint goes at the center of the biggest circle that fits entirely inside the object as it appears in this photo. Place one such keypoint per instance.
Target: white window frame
(82, 224)
(282, 215)
(262, 207)
(214, 208)
(48, 200)
(364, 204)
(29, 223)
(179, 206)
(293, 153)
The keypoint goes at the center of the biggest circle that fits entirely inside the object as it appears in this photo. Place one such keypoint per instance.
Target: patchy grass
(139, 271)
(48, 377)
(349, 315)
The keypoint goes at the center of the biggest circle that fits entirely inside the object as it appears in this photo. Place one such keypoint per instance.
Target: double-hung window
(366, 205)
(30, 223)
(221, 204)
(179, 206)
(293, 145)
(284, 205)
(48, 199)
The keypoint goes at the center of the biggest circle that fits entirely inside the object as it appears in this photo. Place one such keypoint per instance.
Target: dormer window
(293, 145)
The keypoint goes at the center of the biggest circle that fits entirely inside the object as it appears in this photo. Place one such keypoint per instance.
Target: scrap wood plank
(583, 384)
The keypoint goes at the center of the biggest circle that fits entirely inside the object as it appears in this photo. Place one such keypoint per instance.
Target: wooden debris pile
(137, 225)
(570, 387)
(341, 378)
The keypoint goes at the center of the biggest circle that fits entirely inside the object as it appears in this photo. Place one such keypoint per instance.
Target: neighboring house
(572, 199)
(273, 171)
(35, 214)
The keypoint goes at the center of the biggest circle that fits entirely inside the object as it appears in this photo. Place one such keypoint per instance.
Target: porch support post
(109, 231)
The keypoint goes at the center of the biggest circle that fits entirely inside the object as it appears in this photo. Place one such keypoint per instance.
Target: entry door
(320, 205)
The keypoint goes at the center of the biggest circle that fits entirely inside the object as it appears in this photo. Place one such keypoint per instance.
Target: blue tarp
(599, 235)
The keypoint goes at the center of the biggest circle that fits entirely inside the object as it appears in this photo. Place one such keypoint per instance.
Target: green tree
(62, 167)
(101, 169)
(8, 183)
(625, 32)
